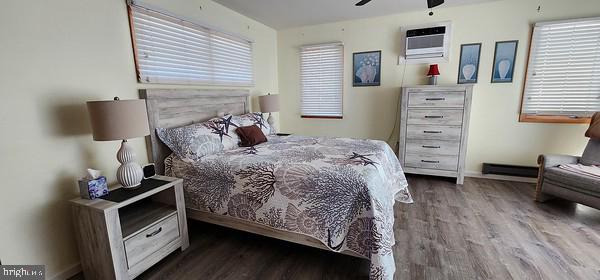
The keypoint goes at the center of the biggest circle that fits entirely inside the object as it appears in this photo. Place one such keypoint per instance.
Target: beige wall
(496, 135)
(54, 56)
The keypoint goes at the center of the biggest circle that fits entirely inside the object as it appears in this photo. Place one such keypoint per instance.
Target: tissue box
(93, 188)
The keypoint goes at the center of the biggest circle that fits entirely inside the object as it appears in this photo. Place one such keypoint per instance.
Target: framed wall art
(468, 67)
(504, 61)
(366, 69)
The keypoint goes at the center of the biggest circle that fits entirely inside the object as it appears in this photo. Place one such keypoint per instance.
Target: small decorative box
(93, 188)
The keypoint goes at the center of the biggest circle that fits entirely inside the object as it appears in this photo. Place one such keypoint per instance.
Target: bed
(330, 193)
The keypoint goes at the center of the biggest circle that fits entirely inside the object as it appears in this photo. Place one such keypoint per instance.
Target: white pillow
(254, 119)
(194, 141)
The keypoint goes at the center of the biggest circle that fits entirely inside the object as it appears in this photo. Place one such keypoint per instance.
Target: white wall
(55, 56)
(370, 112)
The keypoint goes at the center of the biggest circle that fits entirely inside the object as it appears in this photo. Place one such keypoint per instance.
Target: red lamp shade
(433, 70)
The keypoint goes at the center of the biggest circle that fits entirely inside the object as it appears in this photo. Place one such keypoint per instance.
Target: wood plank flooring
(484, 229)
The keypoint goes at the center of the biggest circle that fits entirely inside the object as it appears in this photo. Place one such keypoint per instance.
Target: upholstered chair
(557, 182)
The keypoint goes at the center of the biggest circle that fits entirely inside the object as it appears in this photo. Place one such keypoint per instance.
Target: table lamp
(121, 120)
(269, 104)
(434, 71)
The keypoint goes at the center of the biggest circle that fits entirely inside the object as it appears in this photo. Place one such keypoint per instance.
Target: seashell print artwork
(503, 67)
(367, 68)
(468, 71)
(504, 61)
(469, 63)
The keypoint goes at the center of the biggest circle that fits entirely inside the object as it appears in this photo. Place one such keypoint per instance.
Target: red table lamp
(434, 71)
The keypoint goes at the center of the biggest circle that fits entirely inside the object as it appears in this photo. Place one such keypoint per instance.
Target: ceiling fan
(430, 3)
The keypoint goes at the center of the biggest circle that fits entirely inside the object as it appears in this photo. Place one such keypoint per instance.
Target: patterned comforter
(337, 190)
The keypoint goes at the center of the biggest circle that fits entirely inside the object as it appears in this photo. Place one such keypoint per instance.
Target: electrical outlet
(401, 60)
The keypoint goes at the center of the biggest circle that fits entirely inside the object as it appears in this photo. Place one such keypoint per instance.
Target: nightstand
(127, 231)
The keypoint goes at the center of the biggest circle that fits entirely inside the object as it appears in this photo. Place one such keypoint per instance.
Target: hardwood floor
(484, 229)
(493, 230)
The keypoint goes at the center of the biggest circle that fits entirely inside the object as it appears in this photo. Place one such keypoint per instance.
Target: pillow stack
(255, 119)
(195, 141)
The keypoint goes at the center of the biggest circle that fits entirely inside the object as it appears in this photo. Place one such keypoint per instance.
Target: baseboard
(67, 273)
(476, 174)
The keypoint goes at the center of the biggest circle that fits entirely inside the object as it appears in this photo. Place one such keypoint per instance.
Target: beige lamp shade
(269, 103)
(118, 119)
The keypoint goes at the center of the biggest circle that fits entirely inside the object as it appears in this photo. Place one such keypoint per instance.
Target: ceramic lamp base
(272, 123)
(433, 80)
(130, 173)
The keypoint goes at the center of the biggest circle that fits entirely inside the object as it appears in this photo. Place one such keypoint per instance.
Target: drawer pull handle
(432, 131)
(431, 147)
(430, 161)
(434, 117)
(435, 99)
(154, 233)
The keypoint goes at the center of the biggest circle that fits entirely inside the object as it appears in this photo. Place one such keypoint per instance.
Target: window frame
(533, 118)
(342, 90)
(134, 4)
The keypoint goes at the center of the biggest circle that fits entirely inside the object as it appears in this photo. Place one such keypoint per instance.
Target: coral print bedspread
(339, 191)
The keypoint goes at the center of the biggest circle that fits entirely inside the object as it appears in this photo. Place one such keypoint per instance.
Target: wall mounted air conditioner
(428, 44)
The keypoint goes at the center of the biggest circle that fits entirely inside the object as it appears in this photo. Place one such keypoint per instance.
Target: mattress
(340, 191)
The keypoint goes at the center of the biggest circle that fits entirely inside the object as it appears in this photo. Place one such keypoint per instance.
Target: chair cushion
(594, 131)
(573, 180)
(591, 154)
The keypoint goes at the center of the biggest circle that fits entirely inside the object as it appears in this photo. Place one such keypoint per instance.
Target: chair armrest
(547, 161)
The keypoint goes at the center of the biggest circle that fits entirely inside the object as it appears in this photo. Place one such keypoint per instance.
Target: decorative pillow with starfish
(194, 141)
(254, 119)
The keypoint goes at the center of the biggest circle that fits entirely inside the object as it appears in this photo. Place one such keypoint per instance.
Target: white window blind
(563, 75)
(322, 80)
(170, 50)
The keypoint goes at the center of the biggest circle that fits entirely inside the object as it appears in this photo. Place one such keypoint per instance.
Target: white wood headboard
(168, 108)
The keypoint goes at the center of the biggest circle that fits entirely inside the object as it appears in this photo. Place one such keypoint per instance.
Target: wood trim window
(562, 84)
(322, 80)
(171, 50)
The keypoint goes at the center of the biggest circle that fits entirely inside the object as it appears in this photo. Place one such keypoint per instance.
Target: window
(169, 50)
(322, 80)
(563, 74)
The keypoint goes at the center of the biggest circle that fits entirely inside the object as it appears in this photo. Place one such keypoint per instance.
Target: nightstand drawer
(436, 99)
(150, 240)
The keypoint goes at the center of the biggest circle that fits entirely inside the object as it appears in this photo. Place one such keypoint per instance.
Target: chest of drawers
(434, 125)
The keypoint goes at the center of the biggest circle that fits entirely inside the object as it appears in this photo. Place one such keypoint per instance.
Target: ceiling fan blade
(434, 3)
(362, 2)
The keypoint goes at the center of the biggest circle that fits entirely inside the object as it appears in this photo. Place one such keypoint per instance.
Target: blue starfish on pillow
(218, 129)
(258, 120)
(226, 122)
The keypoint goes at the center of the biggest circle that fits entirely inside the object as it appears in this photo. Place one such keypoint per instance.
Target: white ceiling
(281, 14)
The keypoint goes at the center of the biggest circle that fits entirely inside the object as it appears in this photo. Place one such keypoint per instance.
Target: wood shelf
(137, 217)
